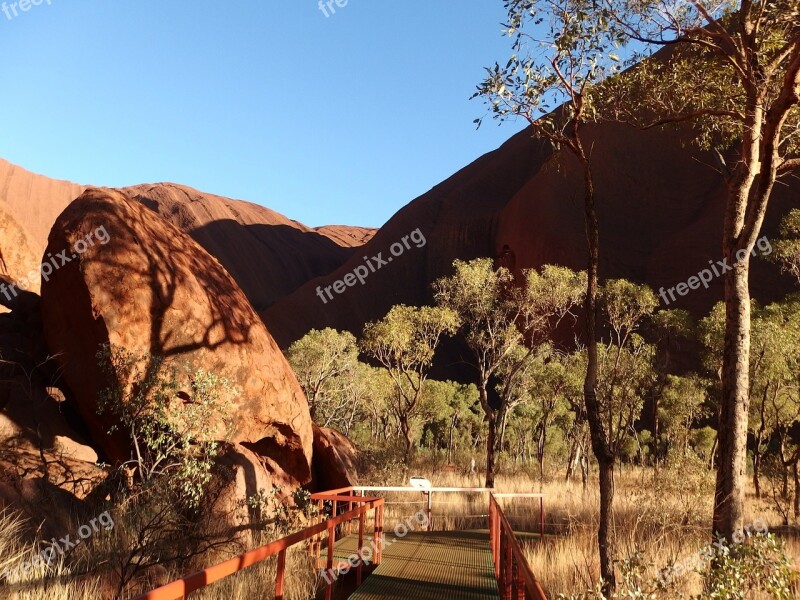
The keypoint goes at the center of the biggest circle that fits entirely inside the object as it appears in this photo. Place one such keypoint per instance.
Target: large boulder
(131, 280)
(239, 477)
(334, 463)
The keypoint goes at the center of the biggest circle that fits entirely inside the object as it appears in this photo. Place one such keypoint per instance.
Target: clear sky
(337, 119)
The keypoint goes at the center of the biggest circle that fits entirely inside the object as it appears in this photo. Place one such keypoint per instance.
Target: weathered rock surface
(266, 253)
(334, 463)
(660, 209)
(152, 290)
(34, 201)
(239, 476)
(37, 434)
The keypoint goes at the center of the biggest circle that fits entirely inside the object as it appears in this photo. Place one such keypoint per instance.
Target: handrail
(428, 493)
(515, 579)
(178, 590)
(514, 576)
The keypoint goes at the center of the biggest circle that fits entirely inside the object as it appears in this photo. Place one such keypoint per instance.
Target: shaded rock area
(334, 463)
(266, 253)
(152, 290)
(241, 476)
(660, 209)
(47, 466)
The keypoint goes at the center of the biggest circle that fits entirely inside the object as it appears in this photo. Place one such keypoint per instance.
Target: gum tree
(503, 322)
(561, 50)
(322, 360)
(404, 343)
(732, 69)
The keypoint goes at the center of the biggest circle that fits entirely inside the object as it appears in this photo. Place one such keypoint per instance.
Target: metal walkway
(455, 565)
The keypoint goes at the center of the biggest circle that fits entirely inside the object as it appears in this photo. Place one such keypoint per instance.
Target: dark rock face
(147, 287)
(660, 208)
(266, 253)
(334, 463)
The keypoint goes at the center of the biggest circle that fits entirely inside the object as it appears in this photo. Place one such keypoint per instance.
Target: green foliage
(560, 51)
(405, 340)
(626, 304)
(404, 343)
(702, 441)
(711, 43)
(680, 405)
(174, 433)
(758, 565)
(787, 250)
(324, 362)
(271, 510)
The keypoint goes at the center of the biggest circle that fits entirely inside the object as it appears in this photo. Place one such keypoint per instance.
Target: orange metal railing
(515, 580)
(178, 590)
(514, 577)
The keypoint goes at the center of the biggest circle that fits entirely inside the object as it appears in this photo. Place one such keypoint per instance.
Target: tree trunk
(600, 444)
(756, 466)
(604, 533)
(490, 448)
(406, 429)
(796, 489)
(573, 459)
(732, 433)
(540, 454)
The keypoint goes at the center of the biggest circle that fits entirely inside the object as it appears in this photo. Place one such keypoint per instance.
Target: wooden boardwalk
(455, 565)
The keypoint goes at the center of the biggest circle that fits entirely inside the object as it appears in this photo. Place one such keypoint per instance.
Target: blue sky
(338, 119)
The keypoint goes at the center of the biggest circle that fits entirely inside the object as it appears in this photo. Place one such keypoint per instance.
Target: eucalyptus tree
(681, 402)
(322, 361)
(503, 322)
(671, 329)
(404, 343)
(733, 71)
(562, 49)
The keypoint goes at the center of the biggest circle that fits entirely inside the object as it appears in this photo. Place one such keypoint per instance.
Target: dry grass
(83, 574)
(664, 516)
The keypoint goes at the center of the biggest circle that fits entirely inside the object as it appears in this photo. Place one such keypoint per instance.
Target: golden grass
(664, 516)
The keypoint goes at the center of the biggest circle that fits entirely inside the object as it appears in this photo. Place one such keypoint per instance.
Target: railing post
(509, 561)
(360, 547)
(331, 544)
(541, 517)
(279, 575)
(430, 517)
(378, 534)
(349, 508)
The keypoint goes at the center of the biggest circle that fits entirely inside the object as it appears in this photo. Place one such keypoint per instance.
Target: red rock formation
(18, 259)
(659, 204)
(266, 253)
(34, 201)
(346, 235)
(334, 463)
(153, 290)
